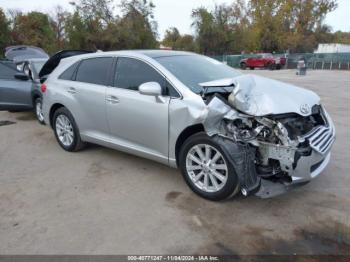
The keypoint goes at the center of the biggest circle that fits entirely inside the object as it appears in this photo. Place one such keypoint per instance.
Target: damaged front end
(270, 153)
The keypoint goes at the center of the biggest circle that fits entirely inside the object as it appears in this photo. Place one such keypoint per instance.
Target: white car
(227, 132)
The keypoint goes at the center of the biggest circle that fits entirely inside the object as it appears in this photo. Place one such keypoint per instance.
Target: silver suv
(227, 132)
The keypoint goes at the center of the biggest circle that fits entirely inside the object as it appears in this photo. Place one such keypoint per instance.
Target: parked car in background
(20, 77)
(20, 90)
(20, 54)
(226, 131)
(264, 60)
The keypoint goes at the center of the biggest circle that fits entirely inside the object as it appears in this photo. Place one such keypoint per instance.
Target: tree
(289, 24)
(76, 32)
(136, 28)
(99, 10)
(171, 36)
(5, 37)
(341, 37)
(207, 35)
(176, 41)
(186, 43)
(59, 19)
(34, 29)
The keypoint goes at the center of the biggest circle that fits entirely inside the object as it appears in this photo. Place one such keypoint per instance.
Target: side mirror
(150, 89)
(22, 76)
(43, 78)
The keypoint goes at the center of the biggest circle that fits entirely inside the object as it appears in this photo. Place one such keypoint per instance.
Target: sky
(169, 13)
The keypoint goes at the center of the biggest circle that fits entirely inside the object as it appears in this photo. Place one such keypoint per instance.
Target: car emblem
(305, 109)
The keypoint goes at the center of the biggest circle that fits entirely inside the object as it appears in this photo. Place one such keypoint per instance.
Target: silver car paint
(183, 112)
(260, 96)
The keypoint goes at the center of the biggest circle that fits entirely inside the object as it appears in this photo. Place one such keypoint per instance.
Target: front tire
(243, 66)
(207, 169)
(66, 130)
(38, 110)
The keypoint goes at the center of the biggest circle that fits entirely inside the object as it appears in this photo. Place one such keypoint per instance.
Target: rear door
(14, 94)
(87, 96)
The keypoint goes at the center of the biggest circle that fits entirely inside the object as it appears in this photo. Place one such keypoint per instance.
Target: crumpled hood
(259, 96)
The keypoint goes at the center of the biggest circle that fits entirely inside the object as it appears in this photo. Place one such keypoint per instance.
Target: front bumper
(316, 164)
(321, 140)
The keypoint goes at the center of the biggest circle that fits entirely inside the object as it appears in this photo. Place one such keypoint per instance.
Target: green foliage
(34, 29)
(93, 26)
(76, 32)
(136, 29)
(176, 41)
(5, 38)
(269, 25)
(243, 26)
(342, 37)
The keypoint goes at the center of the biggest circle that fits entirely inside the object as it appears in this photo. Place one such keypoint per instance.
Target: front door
(138, 123)
(15, 94)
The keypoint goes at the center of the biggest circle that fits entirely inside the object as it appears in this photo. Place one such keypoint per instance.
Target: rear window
(7, 70)
(94, 70)
(68, 74)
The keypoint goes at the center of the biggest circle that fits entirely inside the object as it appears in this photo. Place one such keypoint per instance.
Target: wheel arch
(53, 109)
(35, 95)
(185, 134)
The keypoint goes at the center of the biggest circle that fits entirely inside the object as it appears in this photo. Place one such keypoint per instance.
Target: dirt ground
(101, 201)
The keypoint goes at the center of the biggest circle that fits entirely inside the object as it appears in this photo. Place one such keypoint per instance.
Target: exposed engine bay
(279, 149)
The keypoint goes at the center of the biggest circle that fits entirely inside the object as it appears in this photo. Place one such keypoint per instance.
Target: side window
(68, 74)
(94, 70)
(131, 73)
(7, 70)
(171, 91)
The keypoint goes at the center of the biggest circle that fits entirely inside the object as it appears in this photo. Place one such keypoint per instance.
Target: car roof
(149, 53)
(163, 53)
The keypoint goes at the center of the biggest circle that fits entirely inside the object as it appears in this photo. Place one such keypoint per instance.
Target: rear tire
(66, 131)
(207, 169)
(271, 66)
(243, 66)
(38, 110)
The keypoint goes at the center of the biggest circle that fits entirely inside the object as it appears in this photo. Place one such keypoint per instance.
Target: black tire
(77, 143)
(243, 66)
(230, 189)
(252, 68)
(38, 117)
(271, 66)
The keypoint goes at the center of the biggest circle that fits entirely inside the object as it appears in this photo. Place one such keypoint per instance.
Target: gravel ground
(101, 201)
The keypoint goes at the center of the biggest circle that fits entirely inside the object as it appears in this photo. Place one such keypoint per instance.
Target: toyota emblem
(305, 109)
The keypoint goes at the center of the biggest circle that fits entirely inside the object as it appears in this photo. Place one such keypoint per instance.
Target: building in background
(332, 48)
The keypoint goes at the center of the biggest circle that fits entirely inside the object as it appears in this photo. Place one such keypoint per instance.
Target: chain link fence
(326, 61)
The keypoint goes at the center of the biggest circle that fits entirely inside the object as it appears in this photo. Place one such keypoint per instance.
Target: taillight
(43, 88)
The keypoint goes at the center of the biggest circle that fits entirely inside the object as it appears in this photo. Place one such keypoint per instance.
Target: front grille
(321, 138)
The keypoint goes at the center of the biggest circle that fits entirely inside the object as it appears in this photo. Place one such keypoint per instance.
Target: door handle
(112, 99)
(72, 90)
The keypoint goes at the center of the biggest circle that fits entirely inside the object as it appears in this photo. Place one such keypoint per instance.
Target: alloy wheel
(207, 168)
(64, 130)
(39, 111)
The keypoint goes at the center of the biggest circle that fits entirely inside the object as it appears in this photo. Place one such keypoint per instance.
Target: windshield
(192, 70)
